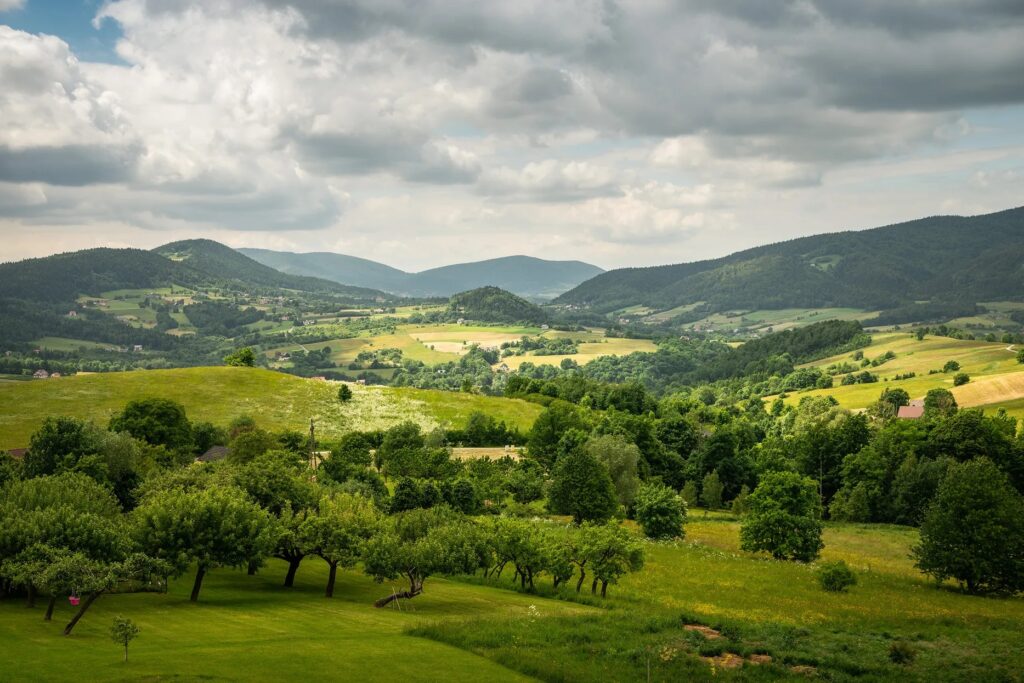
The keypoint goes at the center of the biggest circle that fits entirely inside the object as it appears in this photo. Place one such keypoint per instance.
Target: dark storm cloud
(73, 165)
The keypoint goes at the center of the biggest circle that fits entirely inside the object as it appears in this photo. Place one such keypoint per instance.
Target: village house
(41, 374)
(914, 411)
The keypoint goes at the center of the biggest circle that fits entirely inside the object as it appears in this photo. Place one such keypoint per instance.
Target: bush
(960, 379)
(836, 577)
(901, 652)
(660, 512)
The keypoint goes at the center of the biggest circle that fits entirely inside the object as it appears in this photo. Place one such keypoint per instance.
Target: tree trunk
(81, 612)
(200, 573)
(126, 653)
(583, 575)
(30, 596)
(408, 595)
(49, 608)
(253, 566)
(593, 587)
(604, 589)
(293, 566)
(330, 578)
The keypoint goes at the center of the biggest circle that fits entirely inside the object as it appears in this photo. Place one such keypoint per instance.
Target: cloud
(8, 5)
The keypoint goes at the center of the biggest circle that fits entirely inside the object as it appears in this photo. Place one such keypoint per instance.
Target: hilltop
(491, 304)
(223, 262)
(525, 276)
(925, 269)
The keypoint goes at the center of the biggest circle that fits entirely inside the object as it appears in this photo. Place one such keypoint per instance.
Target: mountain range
(949, 260)
(525, 276)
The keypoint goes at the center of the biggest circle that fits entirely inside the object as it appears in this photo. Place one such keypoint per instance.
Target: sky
(425, 132)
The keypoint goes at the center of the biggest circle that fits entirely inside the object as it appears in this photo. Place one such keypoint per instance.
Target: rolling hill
(223, 262)
(523, 275)
(937, 262)
(495, 305)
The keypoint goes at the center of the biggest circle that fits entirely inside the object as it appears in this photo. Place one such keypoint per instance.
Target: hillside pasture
(983, 361)
(765, 321)
(219, 394)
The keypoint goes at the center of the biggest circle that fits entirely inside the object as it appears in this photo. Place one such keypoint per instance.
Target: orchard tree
(582, 488)
(611, 552)
(784, 518)
(520, 543)
(213, 527)
(660, 511)
(338, 531)
(421, 543)
(973, 531)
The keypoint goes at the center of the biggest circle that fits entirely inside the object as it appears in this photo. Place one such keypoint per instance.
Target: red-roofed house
(911, 412)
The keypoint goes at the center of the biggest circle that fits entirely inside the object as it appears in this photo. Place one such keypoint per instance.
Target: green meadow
(769, 620)
(219, 394)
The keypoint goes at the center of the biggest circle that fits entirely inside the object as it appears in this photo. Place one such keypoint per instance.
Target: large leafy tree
(157, 421)
(338, 531)
(212, 527)
(582, 488)
(660, 511)
(620, 458)
(548, 428)
(973, 531)
(421, 543)
(783, 518)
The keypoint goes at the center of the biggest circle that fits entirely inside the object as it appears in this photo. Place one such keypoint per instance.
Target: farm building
(914, 411)
(41, 374)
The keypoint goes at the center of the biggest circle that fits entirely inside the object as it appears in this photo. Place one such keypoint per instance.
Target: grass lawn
(995, 374)
(769, 607)
(219, 394)
(251, 629)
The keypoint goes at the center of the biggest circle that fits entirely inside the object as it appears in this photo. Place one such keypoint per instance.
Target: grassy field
(250, 629)
(602, 346)
(219, 394)
(777, 320)
(761, 606)
(996, 377)
(65, 344)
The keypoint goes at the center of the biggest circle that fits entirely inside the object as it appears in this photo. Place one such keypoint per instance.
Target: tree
(344, 393)
(213, 527)
(403, 442)
(59, 444)
(582, 488)
(419, 544)
(157, 421)
(338, 532)
(784, 518)
(973, 531)
(406, 496)
(611, 552)
(1020, 356)
(558, 418)
(951, 366)
(711, 491)
(890, 402)
(689, 494)
(621, 458)
(660, 512)
(960, 379)
(518, 542)
(242, 358)
(122, 632)
(249, 444)
(939, 403)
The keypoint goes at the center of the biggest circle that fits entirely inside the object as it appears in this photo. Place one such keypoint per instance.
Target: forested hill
(522, 275)
(491, 304)
(223, 262)
(949, 259)
(63, 277)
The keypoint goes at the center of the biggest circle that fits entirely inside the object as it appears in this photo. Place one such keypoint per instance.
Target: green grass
(777, 320)
(996, 377)
(766, 606)
(219, 394)
(251, 629)
(65, 344)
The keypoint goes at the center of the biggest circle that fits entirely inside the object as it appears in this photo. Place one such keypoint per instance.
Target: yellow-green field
(601, 346)
(777, 320)
(219, 394)
(997, 380)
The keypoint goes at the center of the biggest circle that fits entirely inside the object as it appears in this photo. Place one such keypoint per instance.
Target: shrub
(901, 652)
(836, 577)
(660, 512)
(960, 379)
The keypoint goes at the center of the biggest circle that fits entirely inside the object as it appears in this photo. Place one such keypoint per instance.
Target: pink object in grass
(74, 600)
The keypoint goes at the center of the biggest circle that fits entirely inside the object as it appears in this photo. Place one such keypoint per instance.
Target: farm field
(776, 320)
(607, 346)
(249, 628)
(65, 344)
(996, 377)
(219, 394)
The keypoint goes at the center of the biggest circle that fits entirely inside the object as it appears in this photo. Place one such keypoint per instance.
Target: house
(55, 375)
(72, 314)
(361, 382)
(41, 374)
(137, 348)
(502, 368)
(309, 322)
(460, 321)
(545, 327)
(214, 454)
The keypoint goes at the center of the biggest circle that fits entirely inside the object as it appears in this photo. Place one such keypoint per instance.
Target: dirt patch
(706, 631)
(804, 670)
(726, 660)
(760, 659)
